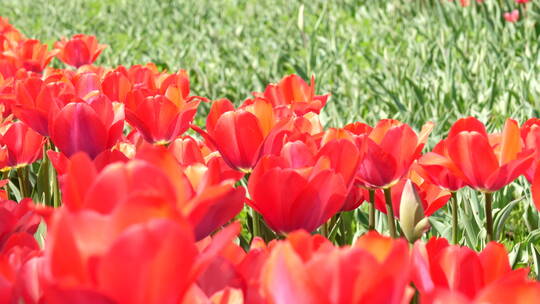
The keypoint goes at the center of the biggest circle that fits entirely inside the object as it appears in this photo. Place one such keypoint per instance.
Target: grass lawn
(415, 61)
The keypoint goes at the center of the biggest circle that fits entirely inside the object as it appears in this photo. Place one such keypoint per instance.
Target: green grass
(416, 61)
(412, 60)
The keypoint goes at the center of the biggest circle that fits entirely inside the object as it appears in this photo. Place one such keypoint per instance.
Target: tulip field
(270, 152)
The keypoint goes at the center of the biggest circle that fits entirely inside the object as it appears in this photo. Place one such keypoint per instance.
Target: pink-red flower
(21, 146)
(512, 16)
(487, 162)
(36, 100)
(300, 270)
(31, 55)
(79, 50)
(319, 179)
(238, 134)
(443, 272)
(388, 152)
(90, 127)
(160, 116)
(294, 93)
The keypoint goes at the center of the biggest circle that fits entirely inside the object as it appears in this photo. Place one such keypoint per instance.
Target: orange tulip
(364, 273)
(238, 134)
(530, 136)
(439, 168)
(487, 163)
(161, 118)
(9, 31)
(79, 50)
(31, 55)
(294, 93)
(36, 100)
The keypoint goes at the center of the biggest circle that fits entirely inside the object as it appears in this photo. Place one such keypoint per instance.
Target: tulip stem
(371, 209)
(489, 216)
(256, 228)
(53, 177)
(455, 227)
(390, 212)
(324, 229)
(23, 182)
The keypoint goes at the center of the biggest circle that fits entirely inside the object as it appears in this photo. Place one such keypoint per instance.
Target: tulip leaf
(502, 216)
(536, 260)
(514, 255)
(533, 237)
(41, 233)
(14, 190)
(471, 230)
(43, 184)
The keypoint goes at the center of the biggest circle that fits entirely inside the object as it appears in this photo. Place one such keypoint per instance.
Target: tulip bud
(412, 220)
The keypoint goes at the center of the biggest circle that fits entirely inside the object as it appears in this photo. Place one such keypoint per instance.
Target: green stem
(455, 227)
(256, 221)
(325, 230)
(56, 192)
(371, 209)
(390, 212)
(48, 167)
(23, 182)
(489, 216)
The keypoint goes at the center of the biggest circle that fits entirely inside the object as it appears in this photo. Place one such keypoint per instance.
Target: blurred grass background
(411, 60)
(414, 60)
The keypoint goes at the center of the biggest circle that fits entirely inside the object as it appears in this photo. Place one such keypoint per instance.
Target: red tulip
(89, 254)
(116, 85)
(162, 118)
(512, 16)
(17, 218)
(17, 254)
(31, 55)
(438, 167)
(202, 193)
(390, 149)
(9, 31)
(86, 85)
(191, 153)
(36, 100)
(23, 146)
(79, 50)
(319, 179)
(306, 129)
(238, 134)
(461, 271)
(214, 200)
(8, 66)
(364, 273)
(487, 163)
(530, 136)
(89, 127)
(294, 93)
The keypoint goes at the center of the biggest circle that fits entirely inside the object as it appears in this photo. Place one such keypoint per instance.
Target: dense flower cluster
(138, 211)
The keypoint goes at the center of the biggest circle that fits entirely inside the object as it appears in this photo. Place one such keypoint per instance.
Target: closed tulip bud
(412, 220)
